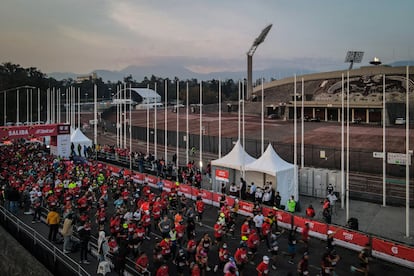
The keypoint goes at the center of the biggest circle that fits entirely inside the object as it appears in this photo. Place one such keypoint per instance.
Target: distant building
(89, 77)
(141, 97)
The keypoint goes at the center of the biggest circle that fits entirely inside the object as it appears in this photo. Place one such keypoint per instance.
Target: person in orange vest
(263, 268)
(52, 220)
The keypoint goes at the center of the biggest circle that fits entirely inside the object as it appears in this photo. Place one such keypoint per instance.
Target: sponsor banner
(151, 179)
(113, 169)
(139, 177)
(349, 236)
(205, 194)
(216, 197)
(314, 226)
(393, 249)
(185, 189)
(284, 217)
(246, 206)
(127, 172)
(168, 184)
(222, 175)
(28, 132)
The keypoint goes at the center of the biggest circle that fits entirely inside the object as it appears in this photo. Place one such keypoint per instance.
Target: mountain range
(181, 72)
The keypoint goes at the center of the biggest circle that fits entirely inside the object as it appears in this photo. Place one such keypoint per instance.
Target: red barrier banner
(168, 184)
(139, 177)
(349, 236)
(28, 132)
(186, 189)
(266, 211)
(113, 169)
(393, 249)
(230, 200)
(151, 179)
(314, 226)
(207, 195)
(284, 217)
(216, 197)
(127, 172)
(246, 206)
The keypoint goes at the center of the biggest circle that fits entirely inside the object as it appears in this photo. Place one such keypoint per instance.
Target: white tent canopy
(272, 164)
(78, 138)
(236, 159)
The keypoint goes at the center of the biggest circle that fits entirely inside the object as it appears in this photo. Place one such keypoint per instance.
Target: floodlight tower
(259, 40)
(353, 57)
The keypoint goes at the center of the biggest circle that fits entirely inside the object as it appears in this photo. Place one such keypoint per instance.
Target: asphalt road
(317, 248)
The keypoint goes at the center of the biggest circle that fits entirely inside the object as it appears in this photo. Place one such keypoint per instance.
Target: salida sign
(28, 132)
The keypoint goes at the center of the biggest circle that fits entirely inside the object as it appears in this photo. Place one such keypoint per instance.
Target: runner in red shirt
(245, 230)
(163, 271)
(253, 243)
(142, 263)
(199, 206)
(195, 270)
(165, 245)
(240, 257)
(218, 233)
(263, 267)
(305, 236)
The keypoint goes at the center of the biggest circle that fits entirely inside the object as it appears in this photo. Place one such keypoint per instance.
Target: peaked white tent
(276, 170)
(78, 138)
(236, 160)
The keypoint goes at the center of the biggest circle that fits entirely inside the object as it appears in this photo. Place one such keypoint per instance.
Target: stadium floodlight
(259, 40)
(354, 57)
(376, 61)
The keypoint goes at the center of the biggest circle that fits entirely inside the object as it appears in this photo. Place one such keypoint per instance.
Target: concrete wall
(14, 258)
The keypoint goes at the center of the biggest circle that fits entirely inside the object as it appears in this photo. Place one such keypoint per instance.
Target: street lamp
(259, 40)
(353, 57)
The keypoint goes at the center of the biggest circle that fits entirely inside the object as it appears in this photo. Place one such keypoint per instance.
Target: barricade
(393, 252)
(351, 239)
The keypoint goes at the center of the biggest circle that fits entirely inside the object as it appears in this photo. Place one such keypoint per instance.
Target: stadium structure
(323, 95)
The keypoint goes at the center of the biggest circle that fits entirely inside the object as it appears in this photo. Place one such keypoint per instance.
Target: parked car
(273, 116)
(400, 121)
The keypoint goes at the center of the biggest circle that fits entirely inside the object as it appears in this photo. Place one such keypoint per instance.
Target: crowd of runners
(126, 216)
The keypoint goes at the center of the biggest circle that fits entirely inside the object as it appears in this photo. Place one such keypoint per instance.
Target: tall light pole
(353, 57)
(259, 40)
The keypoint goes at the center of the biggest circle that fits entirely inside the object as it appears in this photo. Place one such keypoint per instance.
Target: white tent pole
(130, 127)
(302, 117)
(384, 160)
(95, 114)
(187, 138)
(38, 104)
(239, 108)
(125, 115)
(117, 115)
(219, 134)
(342, 145)
(295, 138)
(165, 120)
(5, 107)
(148, 122)
(407, 156)
(79, 108)
(155, 124)
(57, 104)
(243, 125)
(262, 120)
(201, 125)
(347, 146)
(27, 105)
(178, 125)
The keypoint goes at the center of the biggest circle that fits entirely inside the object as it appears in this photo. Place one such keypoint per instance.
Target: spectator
(310, 212)
(278, 199)
(291, 205)
(52, 220)
(67, 232)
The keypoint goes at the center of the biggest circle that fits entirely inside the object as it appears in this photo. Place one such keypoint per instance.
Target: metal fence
(49, 255)
(314, 155)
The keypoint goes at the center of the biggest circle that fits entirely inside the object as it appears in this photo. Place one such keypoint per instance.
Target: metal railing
(38, 240)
